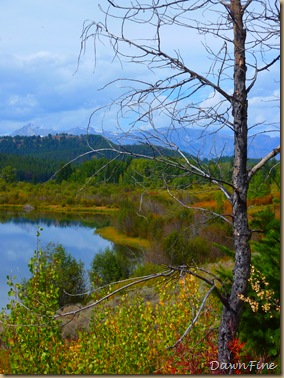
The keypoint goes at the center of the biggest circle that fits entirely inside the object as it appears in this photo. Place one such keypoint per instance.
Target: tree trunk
(231, 314)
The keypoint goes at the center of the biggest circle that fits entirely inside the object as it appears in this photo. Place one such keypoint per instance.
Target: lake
(18, 241)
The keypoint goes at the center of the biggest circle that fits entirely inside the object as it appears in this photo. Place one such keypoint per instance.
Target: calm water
(18, 241)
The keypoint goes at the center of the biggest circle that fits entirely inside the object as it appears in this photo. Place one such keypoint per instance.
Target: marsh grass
(110, 233)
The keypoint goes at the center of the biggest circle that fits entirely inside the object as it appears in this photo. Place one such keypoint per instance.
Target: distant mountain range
(30, 129)
(196, 142)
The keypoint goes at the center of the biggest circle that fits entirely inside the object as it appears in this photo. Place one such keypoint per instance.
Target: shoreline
(106, 232)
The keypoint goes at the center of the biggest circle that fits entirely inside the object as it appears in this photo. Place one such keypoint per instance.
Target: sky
(40, 82)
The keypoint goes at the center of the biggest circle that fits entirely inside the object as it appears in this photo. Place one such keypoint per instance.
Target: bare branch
(257, 70)
(136, 281)
(223, 217)
(192, 270)
(195, 318)
(246, 5)
(262, 162)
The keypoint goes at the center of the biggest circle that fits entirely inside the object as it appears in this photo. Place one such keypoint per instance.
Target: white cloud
(22, 101)
(39, 45)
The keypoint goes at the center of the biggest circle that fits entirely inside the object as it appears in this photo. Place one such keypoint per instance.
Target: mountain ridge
(196, 142)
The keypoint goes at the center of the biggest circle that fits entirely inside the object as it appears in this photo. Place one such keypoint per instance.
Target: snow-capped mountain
(81, 131)
(31, 129)
(192, 141)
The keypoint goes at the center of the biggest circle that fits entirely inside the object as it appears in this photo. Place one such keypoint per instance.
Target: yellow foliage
(264, 296)
(132, 337)
(110, 233)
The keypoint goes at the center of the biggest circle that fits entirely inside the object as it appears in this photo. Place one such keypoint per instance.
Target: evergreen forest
(142, 315)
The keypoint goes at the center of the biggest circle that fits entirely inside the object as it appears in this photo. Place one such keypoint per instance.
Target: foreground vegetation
(136, 330)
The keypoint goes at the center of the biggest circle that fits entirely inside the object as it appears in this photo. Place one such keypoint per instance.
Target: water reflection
(49, 218)
(18, 241)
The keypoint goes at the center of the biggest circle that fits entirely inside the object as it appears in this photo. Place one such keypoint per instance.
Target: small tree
(30, 332)
(8, 174)
(65, 171)
(71, 280)
(109, 266)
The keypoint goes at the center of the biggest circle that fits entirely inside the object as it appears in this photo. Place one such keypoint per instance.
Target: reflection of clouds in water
(16, 248)
(10, 228)
(29, 228)
(18, 243)
(12, 254)
(21, 272)
(80, 241)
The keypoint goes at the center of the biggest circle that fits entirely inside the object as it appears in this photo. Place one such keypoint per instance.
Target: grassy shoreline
(108, 233)
(61, 209)
(111, 234)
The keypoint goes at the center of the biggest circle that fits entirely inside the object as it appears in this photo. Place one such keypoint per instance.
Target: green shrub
(182, 250)
(145, 269)
(176, 248)
(32, 336)
(260, 325)
(71, 280)
(109, 266)
(260, 320)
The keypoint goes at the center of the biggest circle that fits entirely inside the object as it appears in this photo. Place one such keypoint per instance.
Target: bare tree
(240, 41)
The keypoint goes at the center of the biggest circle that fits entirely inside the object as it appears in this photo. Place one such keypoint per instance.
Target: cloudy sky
(39, 48)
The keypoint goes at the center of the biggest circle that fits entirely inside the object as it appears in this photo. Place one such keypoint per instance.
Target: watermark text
(251, 365)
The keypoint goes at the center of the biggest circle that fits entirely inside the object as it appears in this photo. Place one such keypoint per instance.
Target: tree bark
(231, 313)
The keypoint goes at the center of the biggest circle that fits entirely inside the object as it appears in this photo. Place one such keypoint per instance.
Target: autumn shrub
(5, 367)
(3, 199)
(209, 204)
(188, 358)
(176, 248)
(191, 358)
(128, 221)
(136, 335)
(156, 225)
(155, 254)
(217, 233)
(133, 332)
(260, 321)
(32, 336)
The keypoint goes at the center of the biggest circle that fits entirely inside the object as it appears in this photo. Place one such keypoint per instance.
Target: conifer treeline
(35, 159)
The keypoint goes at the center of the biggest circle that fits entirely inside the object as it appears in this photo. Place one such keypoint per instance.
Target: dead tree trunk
(231, 314)
(173, 95)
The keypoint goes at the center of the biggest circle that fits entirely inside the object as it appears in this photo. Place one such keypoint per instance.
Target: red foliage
(236, 347)
(191, 360)
(197, 360)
